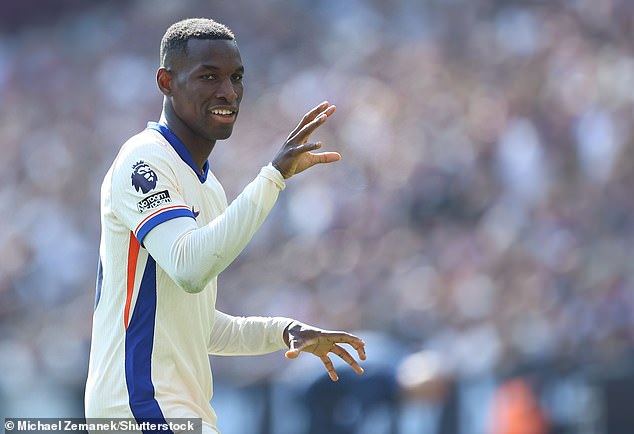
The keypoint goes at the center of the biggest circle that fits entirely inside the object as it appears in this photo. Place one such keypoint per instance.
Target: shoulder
(148, 144)
(145, 149)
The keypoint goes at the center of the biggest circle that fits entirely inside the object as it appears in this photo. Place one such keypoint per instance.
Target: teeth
(221, 112)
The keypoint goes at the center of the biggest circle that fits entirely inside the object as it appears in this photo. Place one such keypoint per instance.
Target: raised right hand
(296, 154)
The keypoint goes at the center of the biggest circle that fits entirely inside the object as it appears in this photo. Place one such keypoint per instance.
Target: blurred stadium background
(478, 231)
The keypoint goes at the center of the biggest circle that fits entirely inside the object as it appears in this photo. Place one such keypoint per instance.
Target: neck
(199, 148)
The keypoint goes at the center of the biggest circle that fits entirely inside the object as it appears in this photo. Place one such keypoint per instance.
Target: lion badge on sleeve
(143, 177)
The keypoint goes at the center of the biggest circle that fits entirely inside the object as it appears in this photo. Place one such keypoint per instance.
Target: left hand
(302, 337)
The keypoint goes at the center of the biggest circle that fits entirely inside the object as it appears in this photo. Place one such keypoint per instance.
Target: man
(167, 233)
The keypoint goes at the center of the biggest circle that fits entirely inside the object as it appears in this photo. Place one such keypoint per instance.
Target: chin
(222, 134)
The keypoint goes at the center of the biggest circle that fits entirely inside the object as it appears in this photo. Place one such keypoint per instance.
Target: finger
(346, 357)
(326, 157)
(352, 340)
(358, 345)
(306, 147)
(304, 132)
(297, 346)
(310, 116)
(330, 110)
(361, 350)
(291, 354)
(294, 350)
(330, 368)
(342, 337)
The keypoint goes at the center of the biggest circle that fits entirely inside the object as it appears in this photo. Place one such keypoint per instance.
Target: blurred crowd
(481, 212)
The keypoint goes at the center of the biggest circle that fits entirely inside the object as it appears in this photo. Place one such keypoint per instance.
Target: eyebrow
(215, 68)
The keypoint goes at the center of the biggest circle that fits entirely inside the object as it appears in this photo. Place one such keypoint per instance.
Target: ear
(164, 81)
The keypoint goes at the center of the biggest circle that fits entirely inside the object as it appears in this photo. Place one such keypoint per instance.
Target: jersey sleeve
(243, 336)
(193, 256)
(145, 189)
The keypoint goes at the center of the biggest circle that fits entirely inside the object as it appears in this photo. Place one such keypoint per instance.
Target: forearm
(193, 256)
(234, 335)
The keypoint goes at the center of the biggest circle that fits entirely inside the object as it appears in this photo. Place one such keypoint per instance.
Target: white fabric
(192, 256)
(164, 241)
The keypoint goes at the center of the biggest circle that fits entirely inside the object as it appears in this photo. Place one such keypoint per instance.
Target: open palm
(296, 155)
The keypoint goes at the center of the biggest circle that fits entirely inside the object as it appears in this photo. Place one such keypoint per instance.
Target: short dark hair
(175, 39)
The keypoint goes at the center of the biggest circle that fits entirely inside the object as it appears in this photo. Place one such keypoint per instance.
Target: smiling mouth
(223, 114)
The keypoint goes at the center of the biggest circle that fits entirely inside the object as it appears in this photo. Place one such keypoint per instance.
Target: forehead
(220, 53)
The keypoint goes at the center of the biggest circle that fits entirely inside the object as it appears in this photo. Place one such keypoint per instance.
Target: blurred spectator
(515, 410)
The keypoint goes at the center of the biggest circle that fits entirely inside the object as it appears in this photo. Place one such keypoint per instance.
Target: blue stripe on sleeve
(160, 218)
(99, 283)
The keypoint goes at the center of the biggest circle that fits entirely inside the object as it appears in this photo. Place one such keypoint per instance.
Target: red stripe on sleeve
(158, 212)
(133, 254)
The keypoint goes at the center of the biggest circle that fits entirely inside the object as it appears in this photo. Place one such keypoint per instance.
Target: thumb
(294, 351)
(326, 157)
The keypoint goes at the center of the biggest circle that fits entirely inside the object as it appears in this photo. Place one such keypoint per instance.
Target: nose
(226, 91)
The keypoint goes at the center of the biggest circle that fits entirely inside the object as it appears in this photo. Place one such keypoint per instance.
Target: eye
(208, 76)
(237, 77)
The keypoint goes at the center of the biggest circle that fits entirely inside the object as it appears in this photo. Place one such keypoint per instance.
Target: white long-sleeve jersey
(167, 233)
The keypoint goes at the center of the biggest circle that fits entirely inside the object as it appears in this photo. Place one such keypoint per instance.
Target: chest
(207, 200)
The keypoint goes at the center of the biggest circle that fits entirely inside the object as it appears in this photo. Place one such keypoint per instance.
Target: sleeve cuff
(279, 324)
(272, 174)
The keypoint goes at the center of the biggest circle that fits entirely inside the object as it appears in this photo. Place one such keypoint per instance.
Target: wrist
(285, 334)
(292, 329)
(272, 174)
(277, 167)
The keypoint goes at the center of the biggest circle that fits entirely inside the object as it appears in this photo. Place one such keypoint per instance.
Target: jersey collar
(180, 148)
